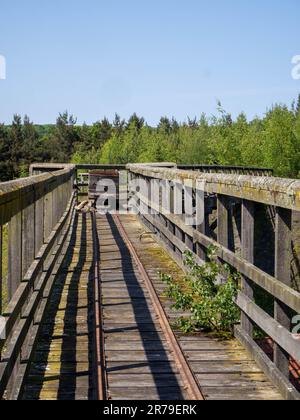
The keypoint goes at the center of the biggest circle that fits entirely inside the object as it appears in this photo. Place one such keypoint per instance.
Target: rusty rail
(182, 364)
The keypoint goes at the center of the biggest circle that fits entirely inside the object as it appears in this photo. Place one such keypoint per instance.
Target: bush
(201, 293)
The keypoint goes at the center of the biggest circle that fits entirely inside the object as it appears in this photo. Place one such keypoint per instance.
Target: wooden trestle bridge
(83, 311)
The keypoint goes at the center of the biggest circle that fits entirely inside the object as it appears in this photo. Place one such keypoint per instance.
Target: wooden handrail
(270, 191)
(37, 214)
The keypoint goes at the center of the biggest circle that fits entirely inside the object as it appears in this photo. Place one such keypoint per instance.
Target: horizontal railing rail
(247, 193)
(36, 215)
(242, 170)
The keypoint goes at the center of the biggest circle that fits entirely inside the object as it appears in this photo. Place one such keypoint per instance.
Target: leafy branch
(205, 295)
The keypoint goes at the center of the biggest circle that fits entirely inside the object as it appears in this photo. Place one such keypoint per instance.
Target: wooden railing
(35, 214)
(238, 170)
(245, 192)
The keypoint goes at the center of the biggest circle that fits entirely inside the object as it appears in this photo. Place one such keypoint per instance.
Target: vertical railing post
(48, 214)
(283, 253)
(149, 195)
(15, 249)
(248, 222)
(123, 191)
(143, 195)
(28, 226)
(171, 226)
(39, 220)
(75, 180)
(178, 210)
(55, 205)
(223, 221)
(60, 202)
(201, 221)
(165, 209)
(155, 200)
(188, 210)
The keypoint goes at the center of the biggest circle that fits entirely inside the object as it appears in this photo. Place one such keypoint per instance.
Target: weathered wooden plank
(221, 367)
(48, 215)
(239, 394)
(248, 226)
(217, 355)
(275, 376)
(161, 380)
(223, 221)
(283, 256)
(28, 232)
(150, 394)
(14, 253)
(273, 328)
(233, 380)
(39, 225)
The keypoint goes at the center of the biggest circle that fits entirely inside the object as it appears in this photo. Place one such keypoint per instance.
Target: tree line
(271, 141)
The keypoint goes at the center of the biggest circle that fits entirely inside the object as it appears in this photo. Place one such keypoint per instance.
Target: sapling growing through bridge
(209, 302)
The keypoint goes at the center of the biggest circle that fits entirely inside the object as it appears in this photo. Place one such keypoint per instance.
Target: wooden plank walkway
(224, 369)
(140, 365)
(63, 366)
(139, 362)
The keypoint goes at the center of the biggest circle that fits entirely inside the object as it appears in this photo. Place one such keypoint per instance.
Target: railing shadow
(70, 346)
(142, 317)
(69, 375)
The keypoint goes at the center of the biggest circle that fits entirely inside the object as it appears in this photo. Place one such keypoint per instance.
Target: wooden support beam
(223, 221)
(283, 253)
(48, 215)
(14, 254)
(188, 212)
(200, 250)
(189, 242)
(275, 376)
(180, 236)
(39, 225)
(171, 226)
(28, 233)
(202, 226)
(273, 328)
(248, 219)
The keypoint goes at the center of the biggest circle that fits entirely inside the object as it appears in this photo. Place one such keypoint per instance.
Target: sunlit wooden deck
(139, 363)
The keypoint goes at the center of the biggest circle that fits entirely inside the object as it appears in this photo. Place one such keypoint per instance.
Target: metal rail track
(186, 373)
(189, 381)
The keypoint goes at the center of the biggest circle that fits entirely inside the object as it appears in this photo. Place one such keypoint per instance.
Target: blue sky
(168, 57)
